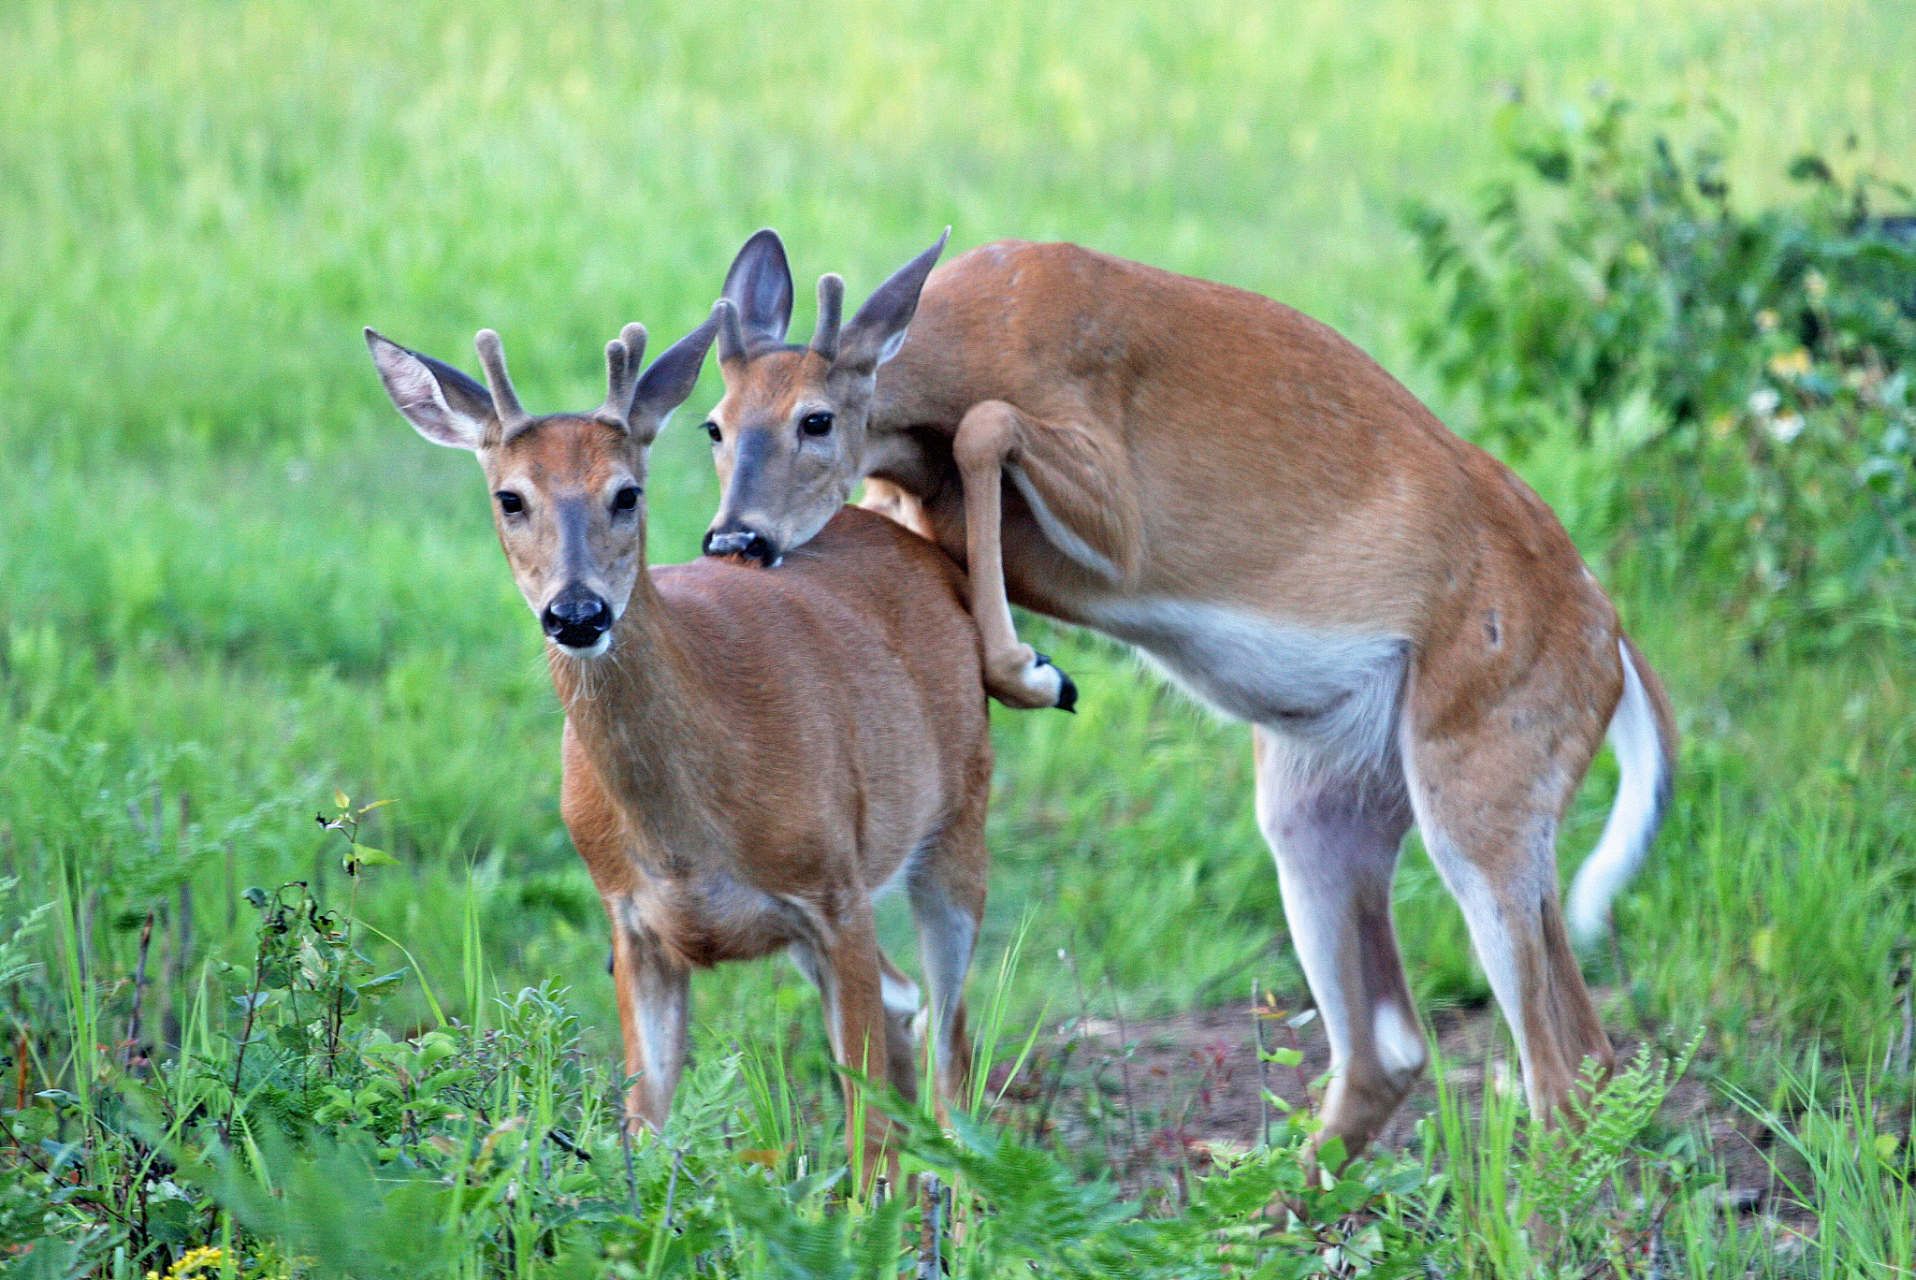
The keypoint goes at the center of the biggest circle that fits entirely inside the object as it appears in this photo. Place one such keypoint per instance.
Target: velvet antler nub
(624, 356)
(505, 402)
(831, 305)
(731, 334)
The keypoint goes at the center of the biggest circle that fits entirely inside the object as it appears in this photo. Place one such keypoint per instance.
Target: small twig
(232, 888)
(1051, 1094)
(51, 1176)
(20, 1069)
(1303, 1081)
(672, 1187)
(1653, 1230)
(1909, 1029)
(246, 1038)
(1097, 1073)
(1124, 1064)
(139, 993)
(631, 1178)
(931, 1243)
(176, 969)
(1263, 1069)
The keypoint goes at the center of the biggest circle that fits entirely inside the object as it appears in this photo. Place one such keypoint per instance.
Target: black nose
(577, 618)
(739, 542)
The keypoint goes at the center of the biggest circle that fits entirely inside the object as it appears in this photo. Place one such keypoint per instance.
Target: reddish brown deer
(1289, 535)
(749, 757)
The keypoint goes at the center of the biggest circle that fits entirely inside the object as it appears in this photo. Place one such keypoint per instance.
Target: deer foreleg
(1081, 502)
(654, 1001)
(849, 978)
(901, 1001)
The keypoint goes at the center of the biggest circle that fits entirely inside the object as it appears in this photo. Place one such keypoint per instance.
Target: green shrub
(1746, 374)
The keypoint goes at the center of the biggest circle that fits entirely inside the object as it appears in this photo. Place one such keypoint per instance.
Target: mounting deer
(749, 757)
(1290, 536)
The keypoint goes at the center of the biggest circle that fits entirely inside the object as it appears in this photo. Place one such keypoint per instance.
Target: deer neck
(640, 715)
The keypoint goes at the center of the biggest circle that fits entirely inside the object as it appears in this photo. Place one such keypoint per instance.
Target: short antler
(831, 304)
(505, 402)
(731, 334)
(623, 357)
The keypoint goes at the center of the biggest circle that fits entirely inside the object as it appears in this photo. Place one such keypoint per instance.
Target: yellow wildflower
(1791, 364)
(192, 1264)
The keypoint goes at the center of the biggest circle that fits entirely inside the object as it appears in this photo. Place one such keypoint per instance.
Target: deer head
(790, 434)
(568, 489)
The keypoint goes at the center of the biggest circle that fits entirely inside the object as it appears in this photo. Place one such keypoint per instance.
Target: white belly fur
(1334, 694)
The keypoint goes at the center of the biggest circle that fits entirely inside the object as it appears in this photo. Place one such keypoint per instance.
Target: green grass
(230, 574)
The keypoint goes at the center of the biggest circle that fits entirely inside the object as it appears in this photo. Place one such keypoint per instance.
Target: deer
(1285, 532)
(749, 758)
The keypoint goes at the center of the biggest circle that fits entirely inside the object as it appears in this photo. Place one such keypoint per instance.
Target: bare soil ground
(1171, 1091)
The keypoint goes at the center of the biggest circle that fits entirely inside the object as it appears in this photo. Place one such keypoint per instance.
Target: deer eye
(815, 424)
(712, 429)
(509, 502)
(626, 499)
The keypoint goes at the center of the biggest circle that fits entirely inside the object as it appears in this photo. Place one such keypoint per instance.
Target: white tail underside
(1643, 788)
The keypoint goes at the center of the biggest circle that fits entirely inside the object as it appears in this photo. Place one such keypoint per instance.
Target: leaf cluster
(1744, 374)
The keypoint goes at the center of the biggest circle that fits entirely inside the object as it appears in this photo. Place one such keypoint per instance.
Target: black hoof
(1067, 690)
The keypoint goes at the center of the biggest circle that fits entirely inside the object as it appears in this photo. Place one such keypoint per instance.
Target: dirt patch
(1149, 1095)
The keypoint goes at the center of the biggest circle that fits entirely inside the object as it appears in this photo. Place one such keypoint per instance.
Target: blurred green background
(231, 576)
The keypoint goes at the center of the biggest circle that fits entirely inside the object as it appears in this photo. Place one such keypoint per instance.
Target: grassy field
(232, 580)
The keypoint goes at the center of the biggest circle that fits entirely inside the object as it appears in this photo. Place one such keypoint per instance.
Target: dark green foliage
(1746, 374)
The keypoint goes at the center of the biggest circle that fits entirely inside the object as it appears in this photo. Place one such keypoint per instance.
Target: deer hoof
(1067, 687)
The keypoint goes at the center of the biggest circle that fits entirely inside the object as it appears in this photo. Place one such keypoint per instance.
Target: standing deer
(749, 757)
(1290, 536)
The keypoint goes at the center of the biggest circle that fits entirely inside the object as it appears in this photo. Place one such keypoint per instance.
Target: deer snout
(577, 619)
(747, 543)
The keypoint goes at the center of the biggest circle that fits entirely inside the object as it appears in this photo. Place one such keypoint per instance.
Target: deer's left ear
(443, 404)
(670, 380)
(760, 286)
(878, 331)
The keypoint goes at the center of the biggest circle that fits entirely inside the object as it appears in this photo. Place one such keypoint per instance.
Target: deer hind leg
(1489, 803)
(947, 891)
(1080, 494)
(654, 1004)
(898, 505)
(1336, 839)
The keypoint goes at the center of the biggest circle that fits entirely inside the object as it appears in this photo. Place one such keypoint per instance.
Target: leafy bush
(1746, 373)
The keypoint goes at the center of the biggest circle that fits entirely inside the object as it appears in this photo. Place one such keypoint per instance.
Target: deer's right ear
(878, 331)
(443, 404)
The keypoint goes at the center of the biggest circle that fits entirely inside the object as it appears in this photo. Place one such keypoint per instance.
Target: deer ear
(443, 404)
(877, 332)
(760, 286)
(670, 380)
